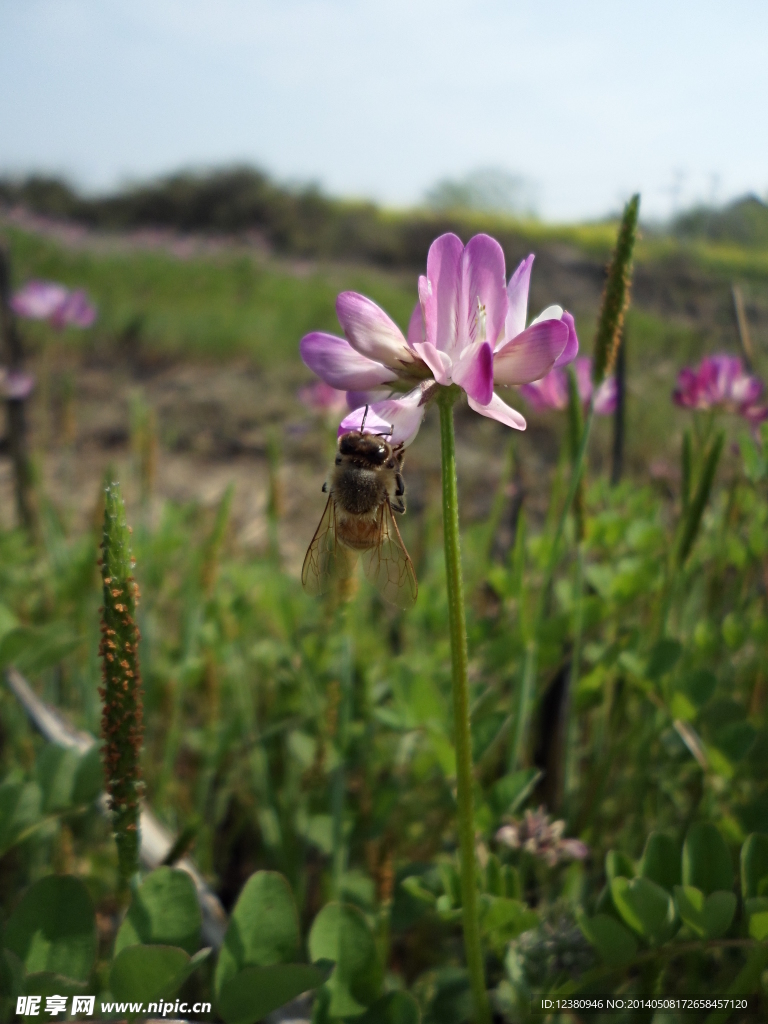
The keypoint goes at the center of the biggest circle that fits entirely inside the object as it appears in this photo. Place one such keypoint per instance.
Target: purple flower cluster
(468, 329)
(551, 392)
(542, 838)
(47, 300)
(720, 384)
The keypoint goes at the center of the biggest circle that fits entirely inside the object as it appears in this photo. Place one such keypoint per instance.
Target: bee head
(366, 447)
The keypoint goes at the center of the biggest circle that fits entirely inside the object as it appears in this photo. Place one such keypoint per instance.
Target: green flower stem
(570, 775)
(463, 737)
(339, 781)
(530, 665)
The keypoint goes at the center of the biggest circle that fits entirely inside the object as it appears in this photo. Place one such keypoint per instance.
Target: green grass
(219, 305)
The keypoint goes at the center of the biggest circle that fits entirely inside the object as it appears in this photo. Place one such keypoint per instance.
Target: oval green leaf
(707, 861)
(164, 911)
(341, 933)
(614, 943)
(148, 973)
(256, 991)
(53, 929)
(263, 929)
(661, 861)
(644, 906)
(754, 864)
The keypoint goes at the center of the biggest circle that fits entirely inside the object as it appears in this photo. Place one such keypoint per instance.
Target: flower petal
(517, 297)
(553, 312)
(474, 372)
(338, 364)
(401, 416)
(416, 332)
(370, 331)
(571, 349)
(531, 354)
(440, 363)
(439, 291)
(551, 392)
(606, 397)
(482, 285)
(498, 410)
(39, 300)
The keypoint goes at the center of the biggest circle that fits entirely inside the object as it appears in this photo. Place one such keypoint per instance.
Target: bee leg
(399, 485)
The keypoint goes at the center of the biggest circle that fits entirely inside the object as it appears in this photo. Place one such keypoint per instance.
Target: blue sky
(589, 99)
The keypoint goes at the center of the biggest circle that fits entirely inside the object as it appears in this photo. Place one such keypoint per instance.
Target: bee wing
(388, 565)
(326, 561)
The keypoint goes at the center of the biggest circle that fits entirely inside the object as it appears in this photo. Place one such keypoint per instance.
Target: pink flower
(322, 398)
(551, 392)
(467, 329)
(719, 383)
(47, 300)
(538, 835)
(16, 385)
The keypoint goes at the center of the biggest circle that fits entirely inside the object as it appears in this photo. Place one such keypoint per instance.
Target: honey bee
(364, 488)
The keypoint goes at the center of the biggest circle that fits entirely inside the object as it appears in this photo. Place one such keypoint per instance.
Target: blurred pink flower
(16, 385)
(47, 300)
(467, 329)
(719, 383)
(322, 398)
(551, 392)
(542, 838)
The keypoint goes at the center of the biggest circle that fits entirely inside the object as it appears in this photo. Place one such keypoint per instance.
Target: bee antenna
(365, 416)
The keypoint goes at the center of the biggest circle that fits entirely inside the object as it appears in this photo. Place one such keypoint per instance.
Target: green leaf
(614, 943)
(20, 804)
(735, 740)
(756, 910)
(661, 861)
(618, 865)
(393, 1008)
(263, 929)
(663, 658)
(53, 928)
(55, 770)
(148, 973)
(502, 920)
(46, 984)
(11, 975)
(513, 789)
(164, 911)
(413, 887)
(699, 686)
(341, 933)
(256, 991)
(754, 864)
(707, 916)
(32, 649)
(647, 908)
(707, 861)
(89, 777)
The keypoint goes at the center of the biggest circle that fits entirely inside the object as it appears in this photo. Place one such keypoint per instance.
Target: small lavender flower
(720, 384)
(542, 838)
(48, 300)
(551, 392)
(468, 329)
